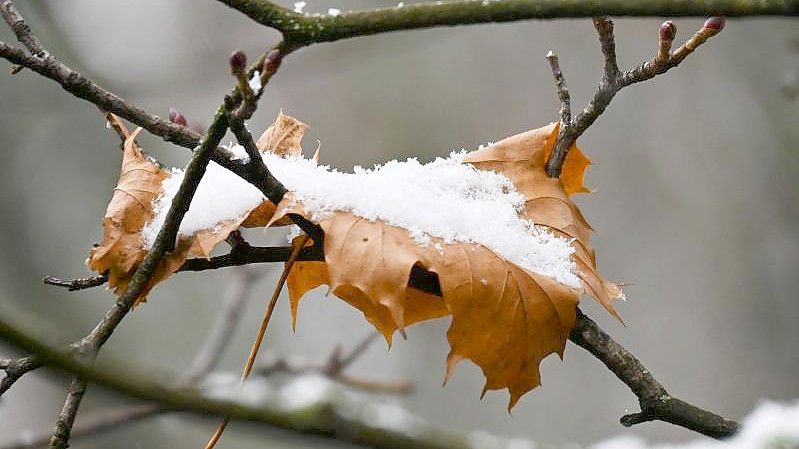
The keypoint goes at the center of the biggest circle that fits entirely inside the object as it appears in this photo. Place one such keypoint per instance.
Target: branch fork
(614, 80)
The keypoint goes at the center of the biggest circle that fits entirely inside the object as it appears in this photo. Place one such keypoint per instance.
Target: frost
(255, 82)
(444, 199)
(299, 6)
(333, 12)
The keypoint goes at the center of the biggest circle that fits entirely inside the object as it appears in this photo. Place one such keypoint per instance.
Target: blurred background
(695, 206)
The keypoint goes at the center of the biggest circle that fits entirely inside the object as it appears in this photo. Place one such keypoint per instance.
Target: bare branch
(335, 366)
(562, 90)
(63, 425)
(221, 333)
(613, 80)
(23, 32)
(299, 29)
(655, 401)
(78, 283)
(16, 368)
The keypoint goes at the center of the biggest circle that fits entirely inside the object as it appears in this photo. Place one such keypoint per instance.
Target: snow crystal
(255, 82)
(770, 425)
(334, 12)
(444, 199)
(299, 6)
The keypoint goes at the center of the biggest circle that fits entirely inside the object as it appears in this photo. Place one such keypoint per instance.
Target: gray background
(695, 204)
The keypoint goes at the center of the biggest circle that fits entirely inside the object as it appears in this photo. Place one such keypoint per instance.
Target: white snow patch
(299, 6)
(255, 82)
(306, 391)
(445, 199)
(771, 425)
(220, 196)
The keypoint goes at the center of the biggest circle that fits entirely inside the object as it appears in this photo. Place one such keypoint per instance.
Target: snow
(445, 199)
(771, 425)
(220, 196)
(255, 82)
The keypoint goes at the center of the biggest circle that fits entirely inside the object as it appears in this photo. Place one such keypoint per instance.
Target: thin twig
(256, 345)
(15, 369)
(655, 401)
(613, 80)
(221, 333)
(23, 32)
(342, 363)
(561, 88)
(78, 283)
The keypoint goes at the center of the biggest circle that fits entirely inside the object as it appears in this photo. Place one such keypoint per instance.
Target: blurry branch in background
(323, 416)
(334, 368)
(300, 30)
(205, 361)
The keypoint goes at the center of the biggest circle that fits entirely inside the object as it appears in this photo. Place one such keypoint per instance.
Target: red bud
(272, 61)
(667, 31)
(176, 117)
(238, 62)
(715, 23)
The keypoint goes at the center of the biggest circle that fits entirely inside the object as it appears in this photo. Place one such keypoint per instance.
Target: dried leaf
(506, 319)
(283, 137)
(131, 208)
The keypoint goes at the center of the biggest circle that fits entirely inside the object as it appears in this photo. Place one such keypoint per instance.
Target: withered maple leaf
(131, 208)
(505, 318)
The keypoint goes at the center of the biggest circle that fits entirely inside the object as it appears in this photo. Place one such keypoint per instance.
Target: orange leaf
(131, 208)
(506, 319)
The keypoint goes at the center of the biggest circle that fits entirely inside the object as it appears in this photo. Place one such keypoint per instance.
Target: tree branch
(301, 29)
(16, 368)
(655, 401)
(321, 419)
(614, 80)
(205, 360)
(78, 283)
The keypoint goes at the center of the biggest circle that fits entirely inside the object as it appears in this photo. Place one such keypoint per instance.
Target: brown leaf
(505, 319)
(131, 208)
(283, 137)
